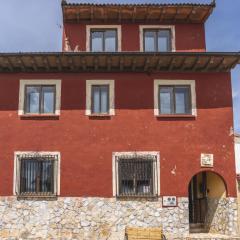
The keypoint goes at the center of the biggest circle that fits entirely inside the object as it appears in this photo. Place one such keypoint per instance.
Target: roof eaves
(212, 4)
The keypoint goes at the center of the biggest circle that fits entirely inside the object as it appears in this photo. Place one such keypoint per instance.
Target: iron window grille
(103, 35)
(100, 99)
(41, 104)
(156, 35)
(37, 175)
(171, 104)
(137, 176)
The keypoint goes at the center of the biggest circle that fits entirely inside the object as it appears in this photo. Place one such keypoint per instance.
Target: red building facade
(171, 107)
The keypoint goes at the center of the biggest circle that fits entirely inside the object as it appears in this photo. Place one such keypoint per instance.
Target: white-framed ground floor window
(136, 174)
(36, 174)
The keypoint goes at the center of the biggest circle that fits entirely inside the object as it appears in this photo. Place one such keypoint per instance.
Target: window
(174, 99)
(100, 99)
(157, 40)
(36, 174)
(40, 99)
(104, 40)
(136, 174)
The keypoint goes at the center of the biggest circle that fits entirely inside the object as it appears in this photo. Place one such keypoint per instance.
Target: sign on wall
(169, 201)
(206, 160)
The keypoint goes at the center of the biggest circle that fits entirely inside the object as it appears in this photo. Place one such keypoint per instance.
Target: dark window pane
(110, 40)
(97, 41)
(164, 43)
(32, 99)
(127, 187)
(36, 176)
(46, 176)
(143, 186)
(182, 100)
(135, 177)
(100, 99)
(48, 99)
(166, 100)
(150, 41)
(28, 176)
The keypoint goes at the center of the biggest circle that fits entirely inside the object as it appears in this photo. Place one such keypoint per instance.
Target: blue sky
(33, 25)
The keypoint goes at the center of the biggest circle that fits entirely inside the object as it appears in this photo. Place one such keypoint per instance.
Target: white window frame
(88, 35)
(89, 84)
(146, 27)
(115, 155)
(23, 83)
(16, 175)
(162, 82)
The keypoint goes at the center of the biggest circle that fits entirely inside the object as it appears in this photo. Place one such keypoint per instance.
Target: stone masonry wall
(86, 218)
(222, 216)
(98, 218)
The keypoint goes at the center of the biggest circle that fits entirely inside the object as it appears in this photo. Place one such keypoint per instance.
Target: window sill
(40, 116)
(37, 197)
(175, 116)
(100, 116)
(137, 198)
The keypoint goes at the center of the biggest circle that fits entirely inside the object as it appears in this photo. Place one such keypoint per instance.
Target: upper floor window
(158, 40)
(104, 40)
(100, 97)
(39, 97)
(174, 97)
(36, 174)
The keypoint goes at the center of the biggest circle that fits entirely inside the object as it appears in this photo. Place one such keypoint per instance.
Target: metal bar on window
(37, 174)
(136, 176)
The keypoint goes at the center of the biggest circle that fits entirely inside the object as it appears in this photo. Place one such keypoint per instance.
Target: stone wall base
(87, 218)
(90, 218)
(222, 216)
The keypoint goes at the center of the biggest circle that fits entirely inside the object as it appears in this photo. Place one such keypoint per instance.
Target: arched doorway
(203, 188)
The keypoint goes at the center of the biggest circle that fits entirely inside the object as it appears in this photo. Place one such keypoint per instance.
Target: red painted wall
(189, 37)
(86, 145)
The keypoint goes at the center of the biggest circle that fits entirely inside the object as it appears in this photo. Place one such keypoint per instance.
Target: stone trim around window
(145, 27)
(89, 84)
(115, 187)
(23, 83)
(191, 83)
(119, 35)
(16, 175)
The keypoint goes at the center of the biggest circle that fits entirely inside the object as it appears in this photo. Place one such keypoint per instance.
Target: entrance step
(202, 236)
(197, 228)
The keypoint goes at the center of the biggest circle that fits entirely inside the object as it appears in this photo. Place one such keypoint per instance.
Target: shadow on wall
(216, 218)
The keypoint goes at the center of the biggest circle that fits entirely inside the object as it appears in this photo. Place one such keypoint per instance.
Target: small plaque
(206, 160)
(169, 201)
